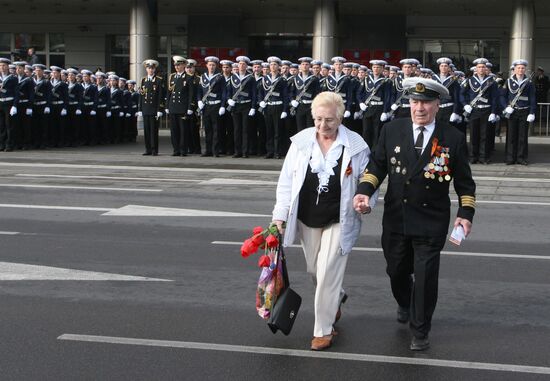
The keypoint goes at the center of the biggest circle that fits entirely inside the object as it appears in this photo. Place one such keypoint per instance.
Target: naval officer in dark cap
(420, 157)
(151, 90)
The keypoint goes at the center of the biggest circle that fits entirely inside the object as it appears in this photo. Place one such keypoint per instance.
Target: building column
(143, 35)
(324, 30)
(522, 32)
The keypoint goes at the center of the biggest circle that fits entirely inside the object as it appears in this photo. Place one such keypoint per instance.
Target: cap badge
(420, 88)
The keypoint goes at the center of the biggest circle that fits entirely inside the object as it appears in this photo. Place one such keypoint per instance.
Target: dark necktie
(419, 141)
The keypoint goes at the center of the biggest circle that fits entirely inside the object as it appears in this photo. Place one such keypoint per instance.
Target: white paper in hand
(457, 235)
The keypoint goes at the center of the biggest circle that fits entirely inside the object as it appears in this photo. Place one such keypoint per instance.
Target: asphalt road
(190, 314)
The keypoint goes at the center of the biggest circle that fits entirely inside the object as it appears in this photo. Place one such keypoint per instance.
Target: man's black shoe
(146, 154)
(245, 156)
(183, 154)
(510, 163)
(176, 154)
(237, 155)
(206, 155)
(402, 315)
(419, 344)
(269, 156)
(523, 162)
(474, 161)
(155, 154)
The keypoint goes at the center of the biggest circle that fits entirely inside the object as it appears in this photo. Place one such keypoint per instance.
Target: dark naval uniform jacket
(89, 97)
(60, 94)
(382, 89)
(343, 86)
(307, 88)
(527, 99)
(242, 90)
(151, 91)
(75, 93)
(217, 86)
(42, 92)
(279, 96)
(9, 96)
(180, 95)
(489, 101)
(453, 99)
(417, 198)
(25, 89)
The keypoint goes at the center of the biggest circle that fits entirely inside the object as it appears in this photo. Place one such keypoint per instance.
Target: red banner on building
(360, 56)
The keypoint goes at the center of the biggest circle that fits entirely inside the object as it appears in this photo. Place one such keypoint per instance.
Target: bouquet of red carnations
(270, 283)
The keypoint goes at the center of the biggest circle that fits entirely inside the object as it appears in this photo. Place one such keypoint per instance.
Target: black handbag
(284, 311)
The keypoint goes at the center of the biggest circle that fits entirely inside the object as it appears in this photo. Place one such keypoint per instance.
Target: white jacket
(293, 175)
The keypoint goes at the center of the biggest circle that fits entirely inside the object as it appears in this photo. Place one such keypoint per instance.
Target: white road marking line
(9, 233)
(19, 271)
(136, 168)
(56, 207)
(77, 187)
(153, 211)
(107, 178)
(220, 181)
(444, 252)
(308, 354)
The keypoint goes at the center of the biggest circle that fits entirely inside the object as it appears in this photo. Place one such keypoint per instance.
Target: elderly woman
(314, 197)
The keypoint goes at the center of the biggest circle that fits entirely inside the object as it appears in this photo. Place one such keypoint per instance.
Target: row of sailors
(39, 112)
(371, 98)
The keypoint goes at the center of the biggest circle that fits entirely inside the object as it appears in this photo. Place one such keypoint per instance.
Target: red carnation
(272, 241)
(248, 248)
(264, 261)
(257, 230)
(258, 239)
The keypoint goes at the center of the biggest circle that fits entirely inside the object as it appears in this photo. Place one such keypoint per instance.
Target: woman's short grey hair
(329, 99)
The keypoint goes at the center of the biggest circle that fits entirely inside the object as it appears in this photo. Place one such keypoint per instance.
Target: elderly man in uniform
(180, 100)
(151, 90)
(480, 99)
(519, 103)
(420, 158)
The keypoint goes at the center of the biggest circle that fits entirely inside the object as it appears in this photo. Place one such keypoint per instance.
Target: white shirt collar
(429, 129)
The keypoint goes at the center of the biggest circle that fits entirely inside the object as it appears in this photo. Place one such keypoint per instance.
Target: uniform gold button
(405, 200)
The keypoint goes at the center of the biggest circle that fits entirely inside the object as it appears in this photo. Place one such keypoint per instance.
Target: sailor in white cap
(133, 107)
(316, 67)
(59, 102)
(211, 103)
(400, 103)
(103, 109)
(340, 83)
(420, 157)
(304, 88)
(41, 108)
(273, 102)
(180, 103)
(520, 106)
(450, 107)
(481, 98)
(8, 106)
(23, 119)
(74, 109)
(89, 107)
(152, 93)
(374, 99)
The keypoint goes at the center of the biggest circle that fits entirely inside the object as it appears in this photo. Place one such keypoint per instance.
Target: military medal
(397, 149)
(440, 179)
(447, 177)
(393, 161)
(397, 169)
(427, 175)
(404, 171)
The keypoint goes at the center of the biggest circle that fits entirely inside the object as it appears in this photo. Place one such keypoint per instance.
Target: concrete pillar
(143, 35)
(324, 30)
(522, 44)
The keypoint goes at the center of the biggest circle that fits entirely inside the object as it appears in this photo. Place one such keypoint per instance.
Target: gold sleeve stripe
(369, 178)
(468, 201)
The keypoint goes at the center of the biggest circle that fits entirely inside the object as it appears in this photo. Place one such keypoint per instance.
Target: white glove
(189, 112)
(252, 112)
(230, 102)
(221, 111)
(120, 114)
(108, 114)
(63, 112)
(530, 118)
(139, 113)
(394, 106)
(356, 115)
(283, 115)
(454, 117)
(201, 105)
(46, 110)
(294, 103)
(13, 110)
(166, 111)
(509, 110)
(383, 117)
(78, 112)
(263, 104)
(363, 106)
(492, 118)
(159, 114)
(468, 109)
(92, 113)
(347, 114)
(29, 111)
(128, 115)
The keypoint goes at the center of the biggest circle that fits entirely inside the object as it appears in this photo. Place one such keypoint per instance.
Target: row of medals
(438, 165)
(398, 169)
